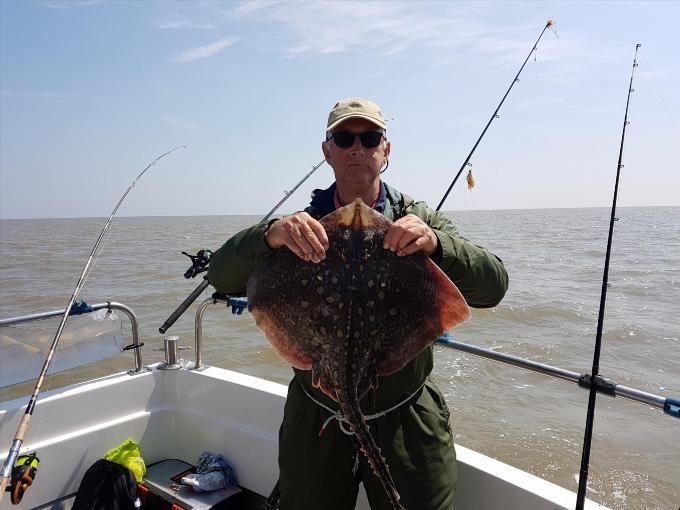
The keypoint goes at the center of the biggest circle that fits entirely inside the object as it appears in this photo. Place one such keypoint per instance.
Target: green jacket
(478, 274)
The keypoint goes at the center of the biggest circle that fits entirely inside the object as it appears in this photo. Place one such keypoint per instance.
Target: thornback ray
(361, 313)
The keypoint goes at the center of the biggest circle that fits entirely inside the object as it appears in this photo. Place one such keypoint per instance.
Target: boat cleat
(171, 348)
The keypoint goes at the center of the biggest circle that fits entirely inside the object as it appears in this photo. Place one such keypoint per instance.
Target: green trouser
(317, 473)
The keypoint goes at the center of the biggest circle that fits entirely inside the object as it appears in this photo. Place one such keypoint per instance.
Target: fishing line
(102, 248)
(22, 430)
(105, 243)
(50, 377)
(594, 382)
(550, 23)
(663, 101)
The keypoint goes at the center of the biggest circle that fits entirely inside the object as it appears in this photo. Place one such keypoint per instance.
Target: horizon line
(289, 213)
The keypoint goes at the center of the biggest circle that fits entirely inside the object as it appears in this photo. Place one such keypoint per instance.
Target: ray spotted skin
(361, 313)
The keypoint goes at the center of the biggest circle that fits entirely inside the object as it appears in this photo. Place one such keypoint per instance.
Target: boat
(178, 409)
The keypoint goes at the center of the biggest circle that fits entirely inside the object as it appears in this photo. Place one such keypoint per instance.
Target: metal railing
(605, 386)
(237, 307)
(109, 305)
(669, 405)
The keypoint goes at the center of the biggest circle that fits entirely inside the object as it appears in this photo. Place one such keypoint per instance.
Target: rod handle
(4, 482)
(183, 307)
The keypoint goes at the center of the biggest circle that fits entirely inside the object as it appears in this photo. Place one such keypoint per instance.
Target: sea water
(555, 259)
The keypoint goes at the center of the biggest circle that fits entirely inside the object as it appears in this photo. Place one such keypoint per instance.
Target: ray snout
(361, 215)
(357, 216)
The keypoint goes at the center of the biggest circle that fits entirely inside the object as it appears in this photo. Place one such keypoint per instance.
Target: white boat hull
(182, 413)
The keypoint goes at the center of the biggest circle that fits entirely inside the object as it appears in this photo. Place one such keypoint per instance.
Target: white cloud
(184, 24)
(63, 4)
(442, 29)
(251, 6)
(201, 52)
(382, 27)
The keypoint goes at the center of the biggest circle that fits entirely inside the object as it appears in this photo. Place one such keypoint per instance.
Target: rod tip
(550, 23)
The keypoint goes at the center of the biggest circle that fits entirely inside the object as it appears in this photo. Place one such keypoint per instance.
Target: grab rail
(110, 305)
(669, 405)
(237, 307)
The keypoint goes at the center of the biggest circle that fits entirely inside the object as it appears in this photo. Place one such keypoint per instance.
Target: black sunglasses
(345, 139)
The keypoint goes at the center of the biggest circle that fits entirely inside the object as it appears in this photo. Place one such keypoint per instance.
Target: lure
(470, 180)
(549, 24)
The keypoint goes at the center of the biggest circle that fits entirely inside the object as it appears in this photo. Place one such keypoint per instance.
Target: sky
(91, 91)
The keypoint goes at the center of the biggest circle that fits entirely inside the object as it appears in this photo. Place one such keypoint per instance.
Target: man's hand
(410, 234)
(302, 234)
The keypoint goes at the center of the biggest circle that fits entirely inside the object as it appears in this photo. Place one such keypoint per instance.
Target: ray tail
(349, 405)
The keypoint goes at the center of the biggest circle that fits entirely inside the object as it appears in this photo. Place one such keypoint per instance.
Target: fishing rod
(548, 24)
(204, 284)
(6, 473)
(588, 435)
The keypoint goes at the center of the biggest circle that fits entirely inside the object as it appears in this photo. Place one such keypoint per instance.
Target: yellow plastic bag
(129, 455)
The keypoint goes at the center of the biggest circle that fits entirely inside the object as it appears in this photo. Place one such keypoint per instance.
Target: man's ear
(326, 152)
(388, 146)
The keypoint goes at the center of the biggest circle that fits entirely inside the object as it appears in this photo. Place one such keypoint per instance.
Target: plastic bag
(128, 454)
(206, 482)
(212, 473)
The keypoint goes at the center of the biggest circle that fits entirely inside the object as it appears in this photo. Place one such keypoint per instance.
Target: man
(414, 436)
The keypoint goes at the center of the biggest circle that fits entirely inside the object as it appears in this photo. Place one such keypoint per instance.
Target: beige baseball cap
(354, 108)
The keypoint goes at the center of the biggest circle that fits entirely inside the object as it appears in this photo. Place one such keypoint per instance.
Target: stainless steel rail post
(237, 305)
(198, 326)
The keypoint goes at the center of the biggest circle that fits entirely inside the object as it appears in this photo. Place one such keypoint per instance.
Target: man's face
(356, 165)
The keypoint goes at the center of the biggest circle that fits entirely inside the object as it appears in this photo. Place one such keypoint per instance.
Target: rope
(343, 422)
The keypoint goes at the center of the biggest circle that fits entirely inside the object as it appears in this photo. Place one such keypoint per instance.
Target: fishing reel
(23, 474)
(199, 263)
